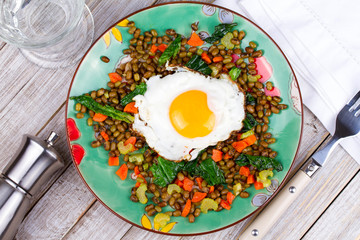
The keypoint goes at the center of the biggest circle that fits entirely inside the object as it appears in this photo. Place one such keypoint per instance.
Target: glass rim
(46, 42)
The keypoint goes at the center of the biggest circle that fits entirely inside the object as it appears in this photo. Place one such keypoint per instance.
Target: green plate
(92, 73)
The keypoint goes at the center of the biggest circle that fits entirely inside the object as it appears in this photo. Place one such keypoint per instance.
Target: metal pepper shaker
(32, 166)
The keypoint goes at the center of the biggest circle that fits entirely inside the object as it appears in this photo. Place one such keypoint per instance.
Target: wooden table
(33, 102)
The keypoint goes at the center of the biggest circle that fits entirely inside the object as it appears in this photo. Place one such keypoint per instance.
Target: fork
(347, 125)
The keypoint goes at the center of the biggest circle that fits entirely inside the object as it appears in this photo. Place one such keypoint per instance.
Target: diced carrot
(162, 47)
(130, 140)
(238, 137)
(98, 117)
(113, 161)
(230, 197)
(225, 204)
(212, 188)
(137, 184)
(179, 183)
(239, 146)
(188, 184)
(153, 48)
(186, 209)
(105, 136)
(224, 69)
(130, 108)
(198, 196)
(227, 156)
(258, 185)
(199, 181)
(136, 170)
(244, 171)
(195, 40)
(218, 59)
(206, 57)
(250, 140)
(122, 172)
(114, 77)
(217, 155)
(250, 179)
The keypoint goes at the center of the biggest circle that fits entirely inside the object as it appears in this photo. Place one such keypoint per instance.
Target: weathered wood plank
(98, 218)
(342, 219)
(32, 101)
(316, 197)
(55, 213)
(2, 44)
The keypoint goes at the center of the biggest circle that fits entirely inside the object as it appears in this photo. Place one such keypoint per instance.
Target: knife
(347, 124)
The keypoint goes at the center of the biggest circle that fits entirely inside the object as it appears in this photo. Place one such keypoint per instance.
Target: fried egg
(182, 113)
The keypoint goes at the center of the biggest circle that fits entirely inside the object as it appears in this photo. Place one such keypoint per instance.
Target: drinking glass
(50, 33)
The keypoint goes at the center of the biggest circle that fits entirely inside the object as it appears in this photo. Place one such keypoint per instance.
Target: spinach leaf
(171, 50)
(191, 167)
(165, 171)
(211, 172)
(139, 90)
(220, 31)
(260, 162)
(249, 122)
(250, 100)
(242, 160)
(234, 73)
(197, 64)
(160, 178)
(107, 110)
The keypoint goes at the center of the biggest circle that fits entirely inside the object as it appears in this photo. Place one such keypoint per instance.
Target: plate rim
(287, 176)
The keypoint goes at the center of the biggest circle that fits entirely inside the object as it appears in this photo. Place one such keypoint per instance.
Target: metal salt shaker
(33, 164)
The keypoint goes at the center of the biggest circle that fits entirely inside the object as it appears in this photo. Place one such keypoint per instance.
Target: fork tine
(354, 99)
(357, 113)
(355, 105)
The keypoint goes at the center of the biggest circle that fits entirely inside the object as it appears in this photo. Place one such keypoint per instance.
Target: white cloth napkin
(321, 39)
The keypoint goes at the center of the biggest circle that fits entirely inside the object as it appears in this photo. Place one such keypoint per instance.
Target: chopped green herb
(235, 73)
(165, 171)
(197, 64)
(171, 51)
(211, 172)
(260, 162)
(140, 151)
(250, 100)
(249, 122)
(139, 90)
(107, 110)
(220, 31)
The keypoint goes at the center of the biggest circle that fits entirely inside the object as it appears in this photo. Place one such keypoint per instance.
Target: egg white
(153, 122)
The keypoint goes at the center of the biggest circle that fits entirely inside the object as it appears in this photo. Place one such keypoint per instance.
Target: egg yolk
(190, 114)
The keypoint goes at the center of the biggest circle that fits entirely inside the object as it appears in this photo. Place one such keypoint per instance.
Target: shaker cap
(34, 163)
